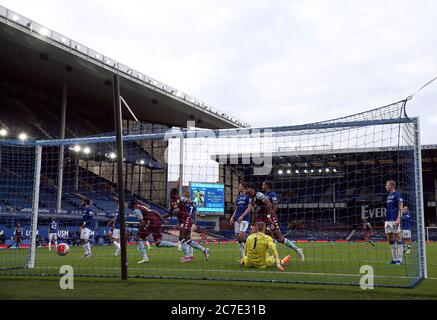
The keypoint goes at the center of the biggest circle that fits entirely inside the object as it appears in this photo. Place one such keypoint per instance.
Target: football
(62, 249)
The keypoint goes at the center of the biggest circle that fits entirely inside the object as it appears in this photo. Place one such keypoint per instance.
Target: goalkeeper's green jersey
(257, 247)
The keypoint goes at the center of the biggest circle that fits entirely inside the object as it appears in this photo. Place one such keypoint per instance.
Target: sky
(266, 62)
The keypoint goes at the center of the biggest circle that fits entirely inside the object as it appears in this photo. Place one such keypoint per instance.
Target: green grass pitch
(325, 262)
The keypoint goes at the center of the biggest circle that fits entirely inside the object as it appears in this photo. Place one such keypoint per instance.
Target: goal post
(35, 207)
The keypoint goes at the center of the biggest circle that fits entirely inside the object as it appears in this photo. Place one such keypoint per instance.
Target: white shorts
(241, 227)
(390, 228)
(53, 237)
(406, 234)
(116, 234)
(85, 234)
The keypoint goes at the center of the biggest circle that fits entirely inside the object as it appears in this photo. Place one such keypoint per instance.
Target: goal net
(327, 177)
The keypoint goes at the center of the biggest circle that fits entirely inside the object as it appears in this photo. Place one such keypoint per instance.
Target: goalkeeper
(256, 251)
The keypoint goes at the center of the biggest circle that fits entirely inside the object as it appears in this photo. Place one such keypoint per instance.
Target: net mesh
(328, 176)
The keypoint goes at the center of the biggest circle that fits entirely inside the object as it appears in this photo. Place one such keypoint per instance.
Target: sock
(142, 249)
(148, 244)
(393, 250)
(185, 249)
(290, 244)
(167, 244)
(88, 246)
(116, 245)
(195, 245)
(400, 250)
(242, 245)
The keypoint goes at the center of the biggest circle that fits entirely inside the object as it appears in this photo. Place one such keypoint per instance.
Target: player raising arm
(256, 253)
(150, 222)
(259, 204)
(178, 207)
(392, 221)
(273, 228)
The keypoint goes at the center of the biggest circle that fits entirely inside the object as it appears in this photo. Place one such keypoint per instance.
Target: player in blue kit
(406, 228)
(393, 220)
(273, 228)
(53, 234)
(241, 217)
(86, 227)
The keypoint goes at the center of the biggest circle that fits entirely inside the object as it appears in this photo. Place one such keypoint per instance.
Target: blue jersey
(242, 203)
(88, 217)
(53, 227)
(406, 221)
(116, 221)
(393, 201)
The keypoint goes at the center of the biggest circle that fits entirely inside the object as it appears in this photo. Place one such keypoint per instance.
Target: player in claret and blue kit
(53, 234)
(192, 209)
(178, 208)
(392, 222)
(241, 217)
(150, 223)
(273, 228)
(406, 228)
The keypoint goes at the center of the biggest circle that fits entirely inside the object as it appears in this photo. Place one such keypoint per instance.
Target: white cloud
(266, 62)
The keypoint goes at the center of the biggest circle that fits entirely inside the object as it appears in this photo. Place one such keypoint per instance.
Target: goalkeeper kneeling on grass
(256, 253)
